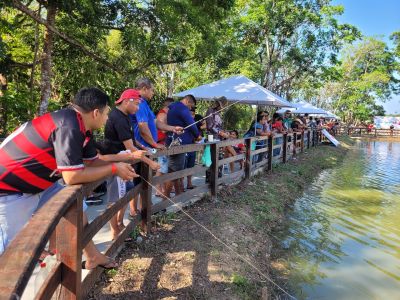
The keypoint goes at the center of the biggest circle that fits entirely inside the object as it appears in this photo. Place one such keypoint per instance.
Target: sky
(377, 18)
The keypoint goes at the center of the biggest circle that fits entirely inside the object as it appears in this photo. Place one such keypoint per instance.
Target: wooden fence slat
(284, 148)
(247, 163)
(93, 227)
(269, 167)
(258, 151)
(69, 245)
(182, 198)
(230, 159)
(180, 174)
(180, 149)
(146, 193)
(214, 170)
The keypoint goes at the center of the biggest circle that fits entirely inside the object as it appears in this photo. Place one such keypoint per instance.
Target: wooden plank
(146, 196)
(284, 148)
(214, 170)
(232, 177)
(93, 227)
(69, 250)
(182, 198)
(270, 153)
(260, 164)
(277, 135)
(51, 283)
(180, 149)
(247, 162)
(277, 146)
(230, 159)
(225, 143)
(258, 151)
(180, 174)
(18, 261)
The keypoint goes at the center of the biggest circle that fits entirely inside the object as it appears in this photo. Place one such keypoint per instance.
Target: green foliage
(290, 47)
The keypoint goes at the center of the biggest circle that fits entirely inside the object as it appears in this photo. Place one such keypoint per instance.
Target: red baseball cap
(128, 94)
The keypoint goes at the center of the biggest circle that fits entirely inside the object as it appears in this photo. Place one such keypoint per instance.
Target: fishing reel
(175, 141)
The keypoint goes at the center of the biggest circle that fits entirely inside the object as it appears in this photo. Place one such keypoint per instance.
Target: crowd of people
(58, 149)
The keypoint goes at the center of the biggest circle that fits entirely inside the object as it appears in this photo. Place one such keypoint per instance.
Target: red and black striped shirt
(31, 154)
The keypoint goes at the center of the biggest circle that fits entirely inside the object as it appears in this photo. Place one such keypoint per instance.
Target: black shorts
(138, 170)
(176, 162)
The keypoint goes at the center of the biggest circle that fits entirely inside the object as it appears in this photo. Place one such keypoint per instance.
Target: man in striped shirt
(40, 152)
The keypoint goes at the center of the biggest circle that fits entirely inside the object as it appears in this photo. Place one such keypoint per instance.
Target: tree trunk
(171, 81)
(35, 57)
(46, 74)
(3, 106)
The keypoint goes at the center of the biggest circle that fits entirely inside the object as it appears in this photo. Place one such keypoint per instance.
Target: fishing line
(221, 241)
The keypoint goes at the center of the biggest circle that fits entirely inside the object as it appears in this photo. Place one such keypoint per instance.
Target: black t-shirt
(117, 130)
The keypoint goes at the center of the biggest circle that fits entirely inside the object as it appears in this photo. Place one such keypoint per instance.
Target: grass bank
(182, 261)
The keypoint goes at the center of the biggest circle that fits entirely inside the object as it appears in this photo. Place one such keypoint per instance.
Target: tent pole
(255, 121)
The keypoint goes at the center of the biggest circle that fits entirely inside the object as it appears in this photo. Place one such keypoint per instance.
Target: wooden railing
(62, 215)
(374, 132)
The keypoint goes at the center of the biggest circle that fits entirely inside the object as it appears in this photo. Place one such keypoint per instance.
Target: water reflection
(343, 236)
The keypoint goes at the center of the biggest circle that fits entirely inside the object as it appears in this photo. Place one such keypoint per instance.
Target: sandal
(105, 266)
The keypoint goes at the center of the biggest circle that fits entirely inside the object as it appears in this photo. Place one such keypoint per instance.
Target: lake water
(343, 235)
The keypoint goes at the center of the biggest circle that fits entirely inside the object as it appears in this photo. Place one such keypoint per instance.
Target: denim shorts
(163, 162)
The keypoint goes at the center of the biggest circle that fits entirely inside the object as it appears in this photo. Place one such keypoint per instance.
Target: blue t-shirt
(179, 115)
(144, 114)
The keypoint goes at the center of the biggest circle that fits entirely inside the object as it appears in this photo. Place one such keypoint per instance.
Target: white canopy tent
(236, 88)
(303, 107)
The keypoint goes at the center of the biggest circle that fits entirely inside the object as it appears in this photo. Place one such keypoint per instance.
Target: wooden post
(302, 142)
(146, 194)
(247, 163)
(214, 170)
(69, 251)
(284, 148)
(294, 143)
(308, 139)
(269, 166)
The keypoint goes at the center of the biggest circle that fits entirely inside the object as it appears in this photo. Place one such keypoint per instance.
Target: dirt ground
(181, 260)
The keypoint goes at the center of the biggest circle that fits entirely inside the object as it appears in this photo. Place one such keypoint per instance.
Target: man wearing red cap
(119, 139)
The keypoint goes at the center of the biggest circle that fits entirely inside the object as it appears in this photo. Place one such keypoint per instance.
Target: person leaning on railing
(145, 125)
(53, 146)
(179, 115)
(118, 138)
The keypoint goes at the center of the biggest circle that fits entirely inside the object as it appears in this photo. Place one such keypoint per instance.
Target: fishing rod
(176, 141)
